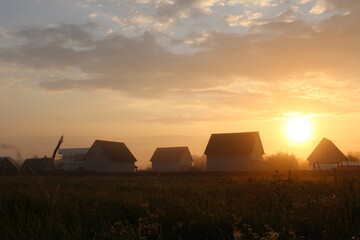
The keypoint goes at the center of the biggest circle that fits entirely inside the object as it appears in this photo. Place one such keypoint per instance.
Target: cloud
(141, 23)
(247, 20)
(9, 82)
(94, 15)
(196, 39)
(287, 15)
(162, 15)
(140, 67)
(303, 1)
(348, 5)
(260, 3)
(64, 35)
(183, 119)
(320, 7)
(5, 34)
(232, 20)
(181, 9)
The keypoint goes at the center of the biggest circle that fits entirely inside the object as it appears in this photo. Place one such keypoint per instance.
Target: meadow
(194, 205)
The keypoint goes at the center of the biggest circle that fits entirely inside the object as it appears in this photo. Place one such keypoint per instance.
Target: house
(37, 165)
(350, 165)
(72, 159)
(235, 152)
(326, 156)
(8, 166)
(106, 156)
(171, 159)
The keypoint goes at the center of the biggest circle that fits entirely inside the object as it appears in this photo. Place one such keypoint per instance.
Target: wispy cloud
(320, 7)
(287, 15)
(260, 3)
(185, 8)
(5, 34)
(141, 23)
(241, 20)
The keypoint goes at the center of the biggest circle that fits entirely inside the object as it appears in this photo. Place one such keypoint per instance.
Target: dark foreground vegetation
(261, 205)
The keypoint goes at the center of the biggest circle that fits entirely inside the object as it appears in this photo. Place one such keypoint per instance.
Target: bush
(353, 157)
(281, 161)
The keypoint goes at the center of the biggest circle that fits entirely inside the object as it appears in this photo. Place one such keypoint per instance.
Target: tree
(353, 156)
(281, 161)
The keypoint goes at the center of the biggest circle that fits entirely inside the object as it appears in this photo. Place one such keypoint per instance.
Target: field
(260, 205)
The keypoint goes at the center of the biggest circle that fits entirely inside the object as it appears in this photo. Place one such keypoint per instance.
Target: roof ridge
(98, 140)
(237, 132)
(172, 147)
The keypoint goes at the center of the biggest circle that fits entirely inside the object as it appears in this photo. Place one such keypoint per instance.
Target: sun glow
(298, 129)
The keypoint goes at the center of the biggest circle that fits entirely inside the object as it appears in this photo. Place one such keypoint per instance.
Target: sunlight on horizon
(298, 129)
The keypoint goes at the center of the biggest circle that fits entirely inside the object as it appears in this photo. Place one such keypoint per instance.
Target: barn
(107, 156)
(235, 152)
(326, 155)
(171, 159)
(37, 165)
(8, 166)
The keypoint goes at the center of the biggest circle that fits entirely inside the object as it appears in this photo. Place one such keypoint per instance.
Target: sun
(298, 129)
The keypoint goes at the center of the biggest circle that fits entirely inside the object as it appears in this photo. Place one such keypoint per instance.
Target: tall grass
(297, 205)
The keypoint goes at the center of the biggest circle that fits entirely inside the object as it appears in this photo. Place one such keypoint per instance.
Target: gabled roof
(73, 151)
(169, 154)
(38, 164)
(115, 151)
(233, 144)
(12, 161)
(326, 152)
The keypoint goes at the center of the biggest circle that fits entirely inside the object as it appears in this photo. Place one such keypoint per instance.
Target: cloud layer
(273, 53)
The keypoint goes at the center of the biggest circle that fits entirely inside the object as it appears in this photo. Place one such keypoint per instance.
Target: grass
(259, 205)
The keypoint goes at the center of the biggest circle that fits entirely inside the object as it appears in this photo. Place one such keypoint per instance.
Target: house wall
(257, 153)
(72, 159)
(184, 164)
(72, 165)
(97, 161)
(323, 166)
(229, 163)
(7, 167)
(259, 165)
(72, 162)
(168, 167)
(186, 161)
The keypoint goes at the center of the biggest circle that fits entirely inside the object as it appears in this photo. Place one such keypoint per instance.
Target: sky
(158, 73)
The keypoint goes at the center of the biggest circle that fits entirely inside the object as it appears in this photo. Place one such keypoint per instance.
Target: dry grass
(257, 205)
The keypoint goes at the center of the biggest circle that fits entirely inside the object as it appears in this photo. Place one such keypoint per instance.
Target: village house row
(225, 152)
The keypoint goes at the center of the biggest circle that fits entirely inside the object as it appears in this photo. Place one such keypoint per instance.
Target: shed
(235, 152)
(171, 159)
(8, 166)
(44, 164)
(326, 155)
(107, 156)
